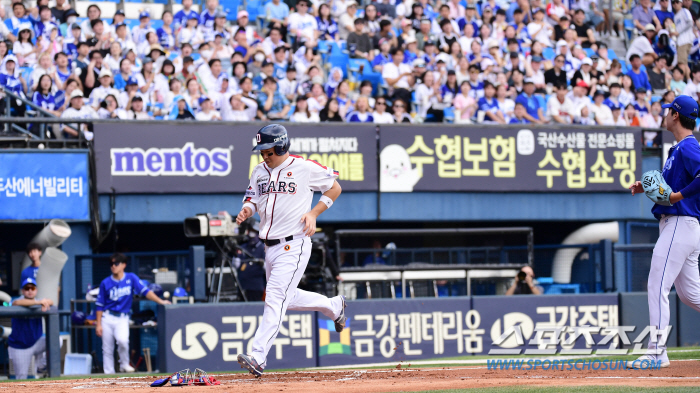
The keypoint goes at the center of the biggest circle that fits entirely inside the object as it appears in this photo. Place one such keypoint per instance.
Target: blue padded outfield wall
(210, 336)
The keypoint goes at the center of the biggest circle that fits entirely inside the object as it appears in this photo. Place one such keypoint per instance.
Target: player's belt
(275, 242)
(116, 314)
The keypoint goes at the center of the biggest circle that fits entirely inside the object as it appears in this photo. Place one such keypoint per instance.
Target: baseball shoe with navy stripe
(340, 321)
(248, 362)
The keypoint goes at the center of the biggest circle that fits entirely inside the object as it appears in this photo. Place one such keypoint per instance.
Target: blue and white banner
(44, 186)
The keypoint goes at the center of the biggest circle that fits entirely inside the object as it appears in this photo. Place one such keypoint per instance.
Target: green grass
(574, 389)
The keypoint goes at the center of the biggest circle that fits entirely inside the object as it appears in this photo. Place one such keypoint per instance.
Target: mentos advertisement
(196, 158)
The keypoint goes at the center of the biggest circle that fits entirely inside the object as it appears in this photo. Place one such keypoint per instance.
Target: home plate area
(405, 378)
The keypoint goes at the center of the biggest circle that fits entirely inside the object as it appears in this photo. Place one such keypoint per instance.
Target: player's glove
(656, 188)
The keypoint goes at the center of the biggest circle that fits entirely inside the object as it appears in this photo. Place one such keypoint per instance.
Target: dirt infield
(681, 373)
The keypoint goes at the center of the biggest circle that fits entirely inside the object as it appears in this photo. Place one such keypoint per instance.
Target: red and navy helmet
(273, 135)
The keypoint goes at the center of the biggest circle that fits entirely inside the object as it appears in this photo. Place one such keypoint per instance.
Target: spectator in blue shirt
(488, 104)
(277, 14)
(271, 103)
(639, 77)
(535, 111)
(181, 17)
(383, 57)
(640, 103)
(519, 115)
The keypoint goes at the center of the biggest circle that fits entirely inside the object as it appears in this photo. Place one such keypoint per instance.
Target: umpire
(251, 273)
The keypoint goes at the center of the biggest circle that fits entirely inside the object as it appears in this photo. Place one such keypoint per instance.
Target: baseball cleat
(340, 322)
(646, 361)
(127, 369)
(248, 362)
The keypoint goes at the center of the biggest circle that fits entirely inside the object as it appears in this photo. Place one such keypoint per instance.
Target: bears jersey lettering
(283, 194)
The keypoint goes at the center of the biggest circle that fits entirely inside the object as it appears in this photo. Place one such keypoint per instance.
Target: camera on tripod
(215, 225)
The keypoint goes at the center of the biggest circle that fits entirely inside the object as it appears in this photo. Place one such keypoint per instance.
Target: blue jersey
(181, 17)
(380, 60)
(328, 28)
(682, 167)
(642, 109)
(44, 101)
(117, 295)
(477, 90)
(25, 331)
(29, 272)
(612, 104)
(279, 71)
(12, 83)
(206, 20)
(408, 57)
(71, 50)
(516, 121)
(531, 104)
(357, 117)
(165, 39)
(639, 80)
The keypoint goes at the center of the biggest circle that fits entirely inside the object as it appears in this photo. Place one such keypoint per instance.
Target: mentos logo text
(185, 161)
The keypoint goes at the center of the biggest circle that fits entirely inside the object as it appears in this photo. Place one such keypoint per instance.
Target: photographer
(524, 283)
(251, 274)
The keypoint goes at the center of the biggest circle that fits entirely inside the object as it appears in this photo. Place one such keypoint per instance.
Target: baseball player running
(675, 257)
(281, 189)
(112, 316)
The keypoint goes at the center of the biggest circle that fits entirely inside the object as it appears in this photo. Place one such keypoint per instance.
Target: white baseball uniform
(282, 195)
(675, 257)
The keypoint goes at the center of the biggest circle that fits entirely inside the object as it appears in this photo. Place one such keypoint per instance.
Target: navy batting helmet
(273, 135)
(78, 318)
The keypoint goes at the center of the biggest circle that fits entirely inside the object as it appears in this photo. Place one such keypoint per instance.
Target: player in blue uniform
(34, 253)
(26, 339)
(675, 257)
(112, 317)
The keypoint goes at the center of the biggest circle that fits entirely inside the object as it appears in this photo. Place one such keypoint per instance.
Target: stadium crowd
(385, 61)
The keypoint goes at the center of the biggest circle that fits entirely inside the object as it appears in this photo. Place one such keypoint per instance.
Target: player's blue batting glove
(656, 188)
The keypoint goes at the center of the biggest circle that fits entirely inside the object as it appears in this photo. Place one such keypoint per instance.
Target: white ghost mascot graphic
(396, 174)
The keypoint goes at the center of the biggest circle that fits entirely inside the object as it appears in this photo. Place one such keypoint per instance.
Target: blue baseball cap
(202, 99)
(27, 281)
(144, 14)
(131, 81)
(684, 105)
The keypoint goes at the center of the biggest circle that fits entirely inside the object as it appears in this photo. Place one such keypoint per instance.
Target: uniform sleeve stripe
(248, 199)
(99, 304)
(295, 156)
(316, 162)
(336, 172)
(144, 289)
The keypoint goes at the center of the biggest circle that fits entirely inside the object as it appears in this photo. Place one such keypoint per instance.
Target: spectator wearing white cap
(641, 46)
(77, 110)
(346, 20)
(251, 34)
(586, 75)
(105, 88)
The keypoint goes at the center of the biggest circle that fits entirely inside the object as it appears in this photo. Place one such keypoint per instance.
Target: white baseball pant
(114, 328)
(675, 261)
(22, 358)
(284, 266)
